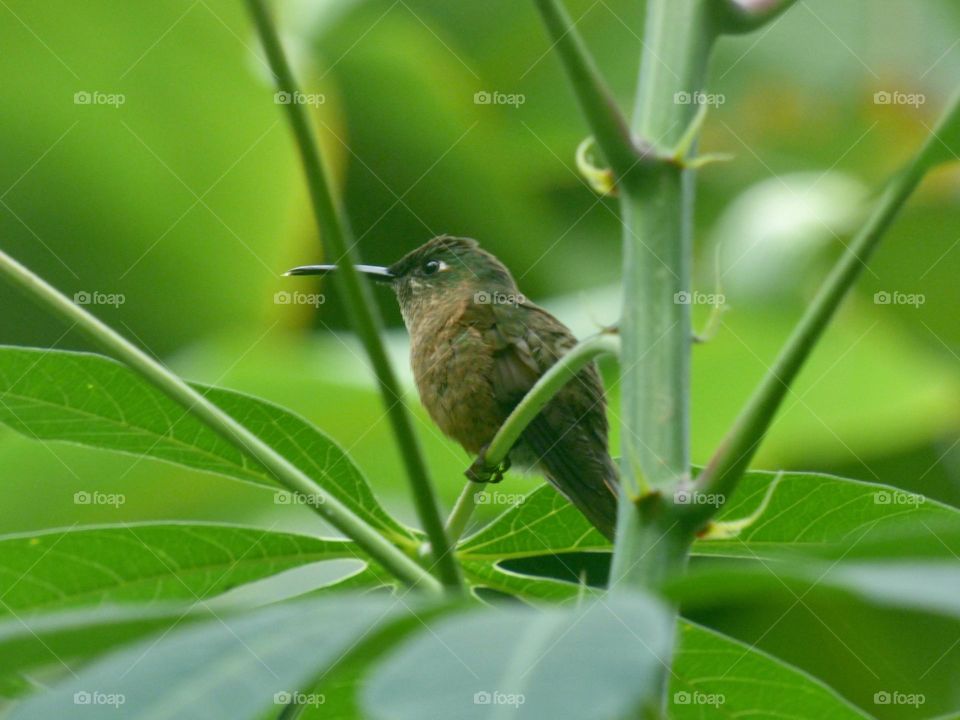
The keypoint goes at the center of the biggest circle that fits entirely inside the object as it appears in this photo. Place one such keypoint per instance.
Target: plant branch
(462, 510)
(549, 384)
(356, 295)
(542, 392)
(606, 121)
(738, 448)
(656, 326)
(737, 17)
(197, 405)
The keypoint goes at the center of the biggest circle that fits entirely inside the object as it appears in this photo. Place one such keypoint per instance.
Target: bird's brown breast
(453, 369)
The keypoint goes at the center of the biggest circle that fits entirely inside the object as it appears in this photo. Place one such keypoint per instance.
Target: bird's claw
(482, 472)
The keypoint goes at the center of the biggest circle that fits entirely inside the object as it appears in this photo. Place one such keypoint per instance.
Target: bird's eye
(431, 267)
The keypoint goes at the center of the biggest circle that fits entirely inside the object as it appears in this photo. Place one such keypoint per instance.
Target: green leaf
(545, 522)
(809, 510)
(925, 586)
(714, 675)
(147, 562)
(94, 401)
(605, 659)
(525, 587)
(63, 640)
(806, 511)
(232, 666)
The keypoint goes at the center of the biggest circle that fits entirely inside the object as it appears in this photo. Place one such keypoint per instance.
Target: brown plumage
(478, 346)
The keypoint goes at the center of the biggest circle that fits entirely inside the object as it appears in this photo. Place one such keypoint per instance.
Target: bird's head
(442, 271)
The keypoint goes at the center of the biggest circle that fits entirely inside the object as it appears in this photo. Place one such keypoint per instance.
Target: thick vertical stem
(656, 327)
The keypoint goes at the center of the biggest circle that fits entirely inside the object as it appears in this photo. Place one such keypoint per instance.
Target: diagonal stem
(543, 391)
(607, 122)
(288, 475)
(355, 292)
(738, 448)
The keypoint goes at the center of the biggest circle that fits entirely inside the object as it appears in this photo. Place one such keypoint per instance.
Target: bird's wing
(569, 436)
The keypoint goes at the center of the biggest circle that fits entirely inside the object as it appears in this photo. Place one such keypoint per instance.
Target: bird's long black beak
(376, 272)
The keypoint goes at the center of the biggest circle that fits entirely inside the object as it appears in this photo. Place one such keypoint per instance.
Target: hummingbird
(477, 346)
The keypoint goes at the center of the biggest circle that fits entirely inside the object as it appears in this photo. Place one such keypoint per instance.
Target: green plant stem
(737, 17)
(197, 405)
(609, 127)
(735, 452)
(462, 510)
(549, 384)
(656, 327)
(356, 295)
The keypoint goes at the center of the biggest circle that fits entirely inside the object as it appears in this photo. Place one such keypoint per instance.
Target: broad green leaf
(920, 585)
(147, 562)
(342, 686)
(234, 666)
(92, 400)
(545, 522)
(63, 640)
(602, 660)
(525, 587)
(806, 511)
(714, 675)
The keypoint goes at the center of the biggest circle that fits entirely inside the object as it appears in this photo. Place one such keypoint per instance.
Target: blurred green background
(145, 155)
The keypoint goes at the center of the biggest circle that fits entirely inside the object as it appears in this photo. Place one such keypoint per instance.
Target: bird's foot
(482, 472)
